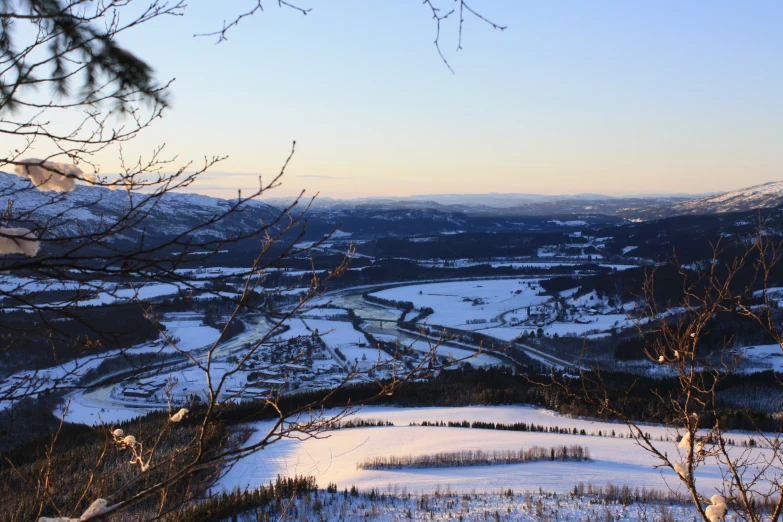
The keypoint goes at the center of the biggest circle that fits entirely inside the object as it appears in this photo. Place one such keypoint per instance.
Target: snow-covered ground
(179, 382)
(457, 303)
(513, 262)
(324, 312)
(149, 291)
(506, 309)
(95, 407)
(351, 342)
(400, 504)
(597, 324)
(213, 272)
(760, 358)
(9, 283)
(192, 335)
(336, 333)
(102, 293)
(333, 459)
(423, 345)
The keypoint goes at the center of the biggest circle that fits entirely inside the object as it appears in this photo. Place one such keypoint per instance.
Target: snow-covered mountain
(767, 195)
(89, 207)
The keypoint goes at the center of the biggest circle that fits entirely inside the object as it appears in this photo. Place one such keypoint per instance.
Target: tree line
(453, 459)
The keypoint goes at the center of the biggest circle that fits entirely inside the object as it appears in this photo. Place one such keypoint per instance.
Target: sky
(604, 96)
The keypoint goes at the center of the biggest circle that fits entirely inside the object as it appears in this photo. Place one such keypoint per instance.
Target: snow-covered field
(761, 358)
(336, 333)
(342, 335)
(142, 293)
(601, 323)
(333, 459)
(504, 308)
(192, 334)
(457, 303)
(514, 263)
(351, 342)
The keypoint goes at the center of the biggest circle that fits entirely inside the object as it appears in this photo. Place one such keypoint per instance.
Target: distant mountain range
(500, 204)
(639, 207)
(377, 217)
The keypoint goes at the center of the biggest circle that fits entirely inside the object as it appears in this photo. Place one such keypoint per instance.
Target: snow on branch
(18, 241)
(51, 176)
(97, 508)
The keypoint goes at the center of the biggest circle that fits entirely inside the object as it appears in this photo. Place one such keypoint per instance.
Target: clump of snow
(681, 470)
(121, 183)
(18, 241)
(50, 175)
(717, 511)
(685, 442)
(129, 442)
(177, 417)
(98, 507)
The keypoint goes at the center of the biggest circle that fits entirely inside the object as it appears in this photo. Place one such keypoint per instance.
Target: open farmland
(334, 459)
(469, 305)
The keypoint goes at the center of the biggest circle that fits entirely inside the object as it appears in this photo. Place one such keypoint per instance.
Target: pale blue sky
(593, 96)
